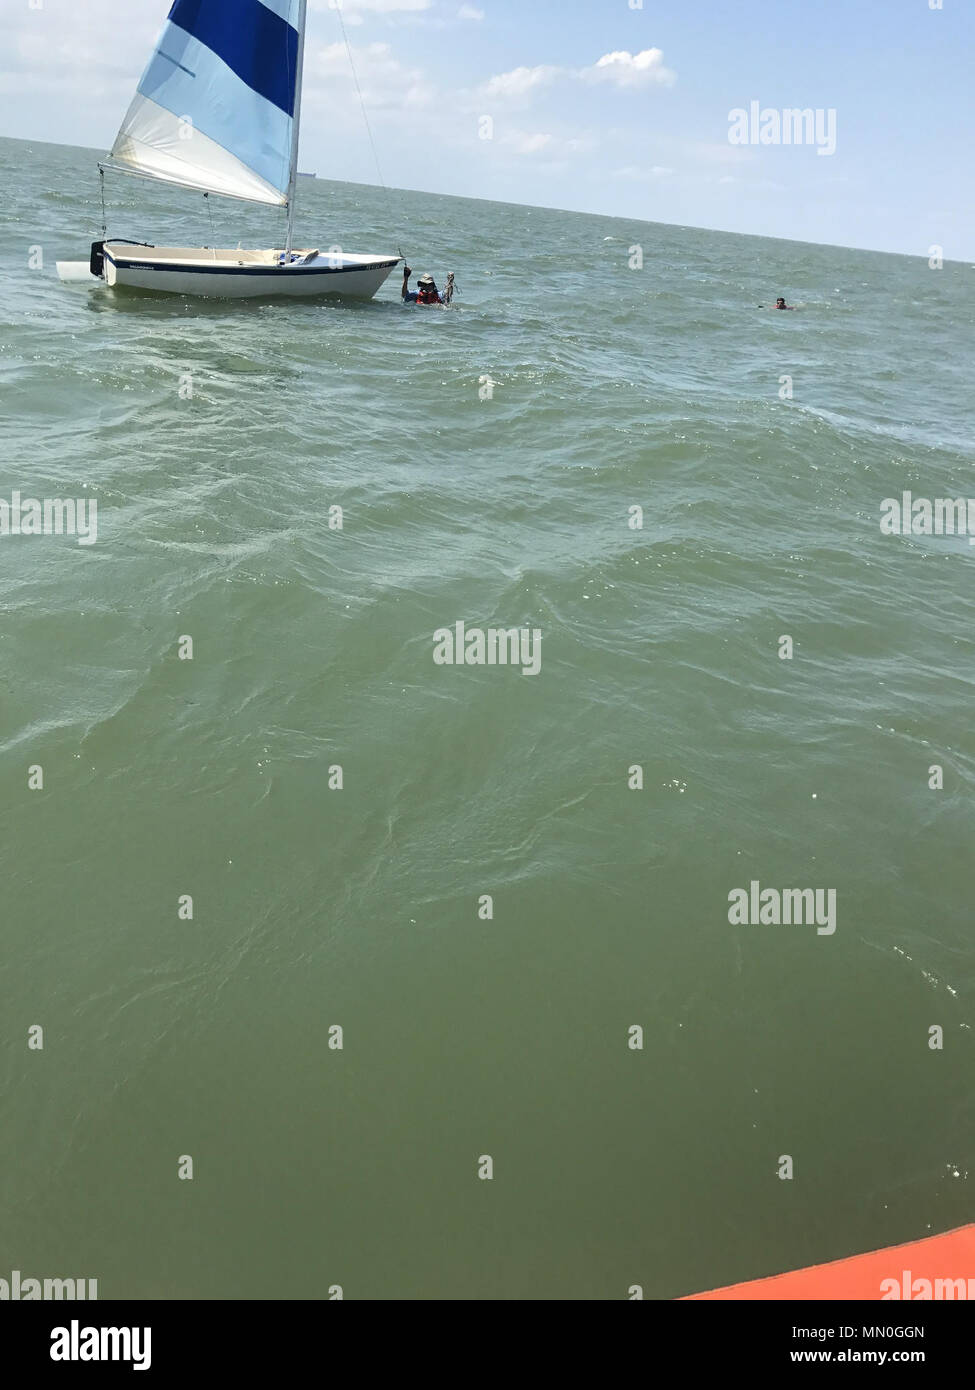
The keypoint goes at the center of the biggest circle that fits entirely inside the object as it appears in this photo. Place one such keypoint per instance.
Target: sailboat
(218, 110)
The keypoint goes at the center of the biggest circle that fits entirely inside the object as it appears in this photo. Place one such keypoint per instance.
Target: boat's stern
(84, 272)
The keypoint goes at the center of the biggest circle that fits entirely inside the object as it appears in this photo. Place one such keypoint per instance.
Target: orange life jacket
(427, 295)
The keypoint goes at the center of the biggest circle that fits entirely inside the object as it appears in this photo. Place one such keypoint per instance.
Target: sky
(606, 106)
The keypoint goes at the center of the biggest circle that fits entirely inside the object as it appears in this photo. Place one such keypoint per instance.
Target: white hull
(210, 274)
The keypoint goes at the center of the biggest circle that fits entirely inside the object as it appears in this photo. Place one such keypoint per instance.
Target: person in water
(425, 293)
(781, 304)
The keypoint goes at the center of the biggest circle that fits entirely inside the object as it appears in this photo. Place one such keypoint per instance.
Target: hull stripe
(277, 272)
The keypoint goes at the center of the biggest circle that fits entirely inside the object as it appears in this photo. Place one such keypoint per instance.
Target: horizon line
(551, 207)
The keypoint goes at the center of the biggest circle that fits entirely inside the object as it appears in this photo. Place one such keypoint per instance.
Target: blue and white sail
(217, 107)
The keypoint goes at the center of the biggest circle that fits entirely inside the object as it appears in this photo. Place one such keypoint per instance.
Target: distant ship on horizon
(303, 175)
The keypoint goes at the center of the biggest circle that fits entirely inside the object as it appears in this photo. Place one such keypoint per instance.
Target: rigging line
(213, 235)
(375, 154)
(101, 179)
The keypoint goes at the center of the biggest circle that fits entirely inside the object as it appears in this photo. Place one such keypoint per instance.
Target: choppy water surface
(609, 388)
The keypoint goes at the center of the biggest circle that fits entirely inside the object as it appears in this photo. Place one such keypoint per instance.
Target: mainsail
(217, 107)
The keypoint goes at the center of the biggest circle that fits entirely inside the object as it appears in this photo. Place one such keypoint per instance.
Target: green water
(312, 648)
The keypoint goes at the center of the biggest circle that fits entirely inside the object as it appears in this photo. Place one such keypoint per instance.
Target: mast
(296, 124)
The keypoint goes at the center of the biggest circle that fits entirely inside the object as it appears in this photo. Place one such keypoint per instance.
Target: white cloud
(71, 43)
(382, 6)
(384, 80)
(520, 142)
(716, 153)
(632, 69)
(354, 9)
(469, 12)
(520, 81)
(638, 175)
(621, 68)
